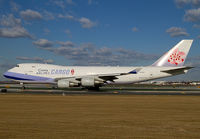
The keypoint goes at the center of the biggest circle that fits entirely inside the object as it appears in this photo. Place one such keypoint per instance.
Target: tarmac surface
(140, 89)
(106, 91)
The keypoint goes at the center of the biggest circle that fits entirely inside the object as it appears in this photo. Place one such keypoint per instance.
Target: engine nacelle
(84, 82)
(88, 82)
(64, 83)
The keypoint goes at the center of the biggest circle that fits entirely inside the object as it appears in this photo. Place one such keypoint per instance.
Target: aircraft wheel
(96, 88)
(4, 90)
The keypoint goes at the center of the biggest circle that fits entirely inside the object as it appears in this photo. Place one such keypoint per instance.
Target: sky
(97, 32)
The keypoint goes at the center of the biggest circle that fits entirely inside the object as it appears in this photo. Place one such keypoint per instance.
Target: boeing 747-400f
(170, 64)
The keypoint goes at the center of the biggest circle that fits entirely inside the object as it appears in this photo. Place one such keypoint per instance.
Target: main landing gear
(96, 88)
(4, 90)
(23, 86)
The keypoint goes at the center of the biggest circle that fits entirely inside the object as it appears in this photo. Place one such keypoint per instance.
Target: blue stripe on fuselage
(19, 76)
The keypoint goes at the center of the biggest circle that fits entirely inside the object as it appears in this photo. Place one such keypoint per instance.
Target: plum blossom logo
(176, 57)
(72, 71)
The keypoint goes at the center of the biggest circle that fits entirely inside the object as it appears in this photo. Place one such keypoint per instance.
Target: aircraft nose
(6, 74)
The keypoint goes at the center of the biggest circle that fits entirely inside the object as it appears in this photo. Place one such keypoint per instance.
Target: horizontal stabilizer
(177, 70)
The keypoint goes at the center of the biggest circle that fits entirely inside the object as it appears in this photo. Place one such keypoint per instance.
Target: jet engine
(87, 82)
(65, 83)
(91, 82)
(84, 82)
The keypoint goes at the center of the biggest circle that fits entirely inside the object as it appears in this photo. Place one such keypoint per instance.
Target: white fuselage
(48, 72)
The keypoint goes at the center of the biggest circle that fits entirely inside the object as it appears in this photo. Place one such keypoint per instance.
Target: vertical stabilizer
(176, 56)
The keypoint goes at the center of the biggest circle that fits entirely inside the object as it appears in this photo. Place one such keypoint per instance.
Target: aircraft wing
(177, 70)
(112, 77)
(104, 77)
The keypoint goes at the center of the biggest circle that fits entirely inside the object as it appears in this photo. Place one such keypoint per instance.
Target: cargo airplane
(170, 64)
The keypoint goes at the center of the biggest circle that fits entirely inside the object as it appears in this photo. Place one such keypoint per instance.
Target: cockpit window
(17, 66)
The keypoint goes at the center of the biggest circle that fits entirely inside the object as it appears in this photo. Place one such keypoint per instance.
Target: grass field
(99, 116)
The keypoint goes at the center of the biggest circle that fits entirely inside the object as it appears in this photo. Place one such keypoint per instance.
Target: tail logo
(176, 57)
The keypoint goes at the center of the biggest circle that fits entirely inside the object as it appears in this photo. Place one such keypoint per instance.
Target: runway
(104, 92)
(135, 89)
